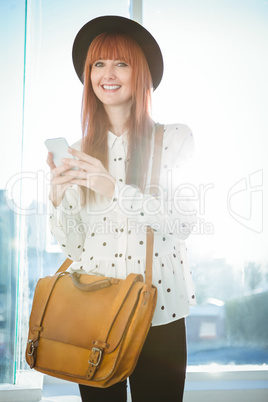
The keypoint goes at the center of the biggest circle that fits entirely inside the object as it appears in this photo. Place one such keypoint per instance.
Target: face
(112, 82)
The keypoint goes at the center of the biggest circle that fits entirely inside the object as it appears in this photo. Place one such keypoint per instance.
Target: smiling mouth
(111, 87)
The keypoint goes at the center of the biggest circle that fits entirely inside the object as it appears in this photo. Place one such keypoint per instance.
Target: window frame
(206, 383)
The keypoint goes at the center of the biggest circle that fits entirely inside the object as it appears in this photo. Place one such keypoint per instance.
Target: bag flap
(77, 317)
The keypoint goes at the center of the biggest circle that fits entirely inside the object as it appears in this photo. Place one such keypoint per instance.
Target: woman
(100, 205)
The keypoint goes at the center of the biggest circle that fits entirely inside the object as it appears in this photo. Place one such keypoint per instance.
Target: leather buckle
(31, 347)
(95, 350)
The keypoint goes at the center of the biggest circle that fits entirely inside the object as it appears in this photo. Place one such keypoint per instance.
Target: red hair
(95, 121)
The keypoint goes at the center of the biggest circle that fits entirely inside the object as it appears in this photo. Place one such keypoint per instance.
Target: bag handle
(92, 287)
(158, 141)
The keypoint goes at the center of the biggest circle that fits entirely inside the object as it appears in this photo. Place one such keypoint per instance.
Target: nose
(109, 73)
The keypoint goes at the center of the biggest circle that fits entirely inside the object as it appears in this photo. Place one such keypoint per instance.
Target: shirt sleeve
(173, 211)
(66, 225)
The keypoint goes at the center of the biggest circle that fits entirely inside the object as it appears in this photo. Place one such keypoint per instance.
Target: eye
(98, 64)
(122, 64)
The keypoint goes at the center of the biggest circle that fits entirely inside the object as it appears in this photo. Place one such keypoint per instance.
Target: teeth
(111, 87)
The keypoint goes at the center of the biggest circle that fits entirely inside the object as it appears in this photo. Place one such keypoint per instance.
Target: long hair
(95, 121)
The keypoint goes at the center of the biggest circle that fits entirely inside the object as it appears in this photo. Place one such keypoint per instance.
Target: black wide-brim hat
(112, 23)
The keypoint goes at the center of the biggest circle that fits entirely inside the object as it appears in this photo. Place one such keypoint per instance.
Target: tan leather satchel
(91, 329)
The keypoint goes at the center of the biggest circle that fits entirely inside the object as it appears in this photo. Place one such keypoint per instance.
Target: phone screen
(59, 149)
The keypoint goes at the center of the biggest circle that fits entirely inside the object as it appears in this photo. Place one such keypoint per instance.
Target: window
(41, 99)
(11, 74)
(215, 81)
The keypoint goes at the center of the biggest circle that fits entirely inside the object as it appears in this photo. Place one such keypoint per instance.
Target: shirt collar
(112, 139)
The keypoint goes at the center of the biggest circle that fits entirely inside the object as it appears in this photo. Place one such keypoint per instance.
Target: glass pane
(52, 109)
(215, 81)
(11, 107)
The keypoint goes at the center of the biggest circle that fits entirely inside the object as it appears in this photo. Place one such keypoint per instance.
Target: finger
(83, 156)
(87, 166)
(50, 162)
(91, 177)
(80, 182)
(59, 180)
(80, 174)
(62, 169)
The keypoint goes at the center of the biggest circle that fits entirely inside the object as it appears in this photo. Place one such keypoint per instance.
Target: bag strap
(158, 141)
(64, 266)
(100, 342)
(154, 190)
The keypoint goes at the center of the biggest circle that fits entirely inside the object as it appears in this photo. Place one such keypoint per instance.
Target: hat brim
(112, 23)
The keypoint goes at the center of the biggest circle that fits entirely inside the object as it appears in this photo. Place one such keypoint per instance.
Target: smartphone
(59, 149)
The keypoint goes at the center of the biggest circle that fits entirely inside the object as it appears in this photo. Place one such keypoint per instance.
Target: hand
(60, 181)
(90, 173)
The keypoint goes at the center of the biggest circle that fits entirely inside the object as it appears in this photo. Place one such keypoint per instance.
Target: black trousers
(160, 372)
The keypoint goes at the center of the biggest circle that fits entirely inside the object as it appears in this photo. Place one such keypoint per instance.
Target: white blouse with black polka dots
(108, 237)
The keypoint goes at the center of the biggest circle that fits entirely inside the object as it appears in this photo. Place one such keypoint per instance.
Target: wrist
(111, 188)
(56, 201)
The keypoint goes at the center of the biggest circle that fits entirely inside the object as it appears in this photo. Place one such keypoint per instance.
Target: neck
(118, 116)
